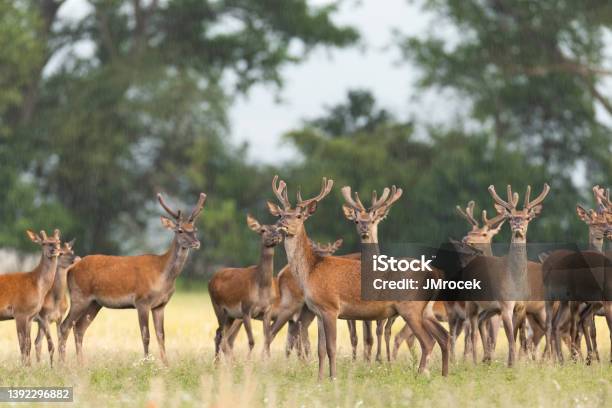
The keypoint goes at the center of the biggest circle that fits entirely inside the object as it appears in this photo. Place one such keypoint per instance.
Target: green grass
(115, 374)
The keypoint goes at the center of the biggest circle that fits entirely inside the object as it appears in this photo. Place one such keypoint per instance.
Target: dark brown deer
(511, 272)
(56, 302)
(22, 294)
(366, 221)
(243, 293)
(144, 282)
(331, 288)
(581, 314)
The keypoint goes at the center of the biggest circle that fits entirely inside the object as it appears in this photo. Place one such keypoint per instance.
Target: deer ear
(167, 223)
(71, 243)
(349, 212)
(535, 211)
(583, 214)
(33, 236)
(311, 208)
(253, 224)
(274, 209)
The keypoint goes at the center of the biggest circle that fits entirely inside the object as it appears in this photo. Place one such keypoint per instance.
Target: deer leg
(593, 333)
(352, 327)
(493, 329)
(266, 325)
(439, 333)
(329, 325)
(415, 321)
(388, 326)
(452, 325)
(38, 340)
(380, 326)
(77, 309)
(506, 315)
(574, 330)
(548, 329)
(585, 317)
(305, 320)
(81, 326)
(293, 332)
(607, 307)
(368, 340)
(468, 344)
(484, 337)
(321, 347)
(160, 334)
(23, 324)
(473, 334)
(406, 334)
(43, 327)
(246, 320)
(143, 322)
(557, 323)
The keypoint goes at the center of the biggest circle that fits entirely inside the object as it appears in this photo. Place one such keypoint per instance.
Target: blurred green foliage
(88, 137)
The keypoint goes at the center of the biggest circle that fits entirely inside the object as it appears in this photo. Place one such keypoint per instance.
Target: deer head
(490, 227)
(292, 219)
(67, 255)
(598, 220)
(184, 229)
(366, 220)
(519, 219)
(50, 245)
(270, 234)
(325, 249)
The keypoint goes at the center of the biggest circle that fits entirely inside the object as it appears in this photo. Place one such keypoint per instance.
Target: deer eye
(356, 222)
(299, 216)
(180, 230)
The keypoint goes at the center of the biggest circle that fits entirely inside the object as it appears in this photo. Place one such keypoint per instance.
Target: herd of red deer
(317, 284)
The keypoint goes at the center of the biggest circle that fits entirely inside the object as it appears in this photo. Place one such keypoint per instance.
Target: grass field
(115, 374)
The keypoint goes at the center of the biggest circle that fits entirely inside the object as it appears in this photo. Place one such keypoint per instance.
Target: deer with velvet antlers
(144, 282)
(366, 222)
(331, 285)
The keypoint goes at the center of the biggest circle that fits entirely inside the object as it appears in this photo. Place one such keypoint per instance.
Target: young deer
(245, 293)
(144, 282)
(332, 290)
(366, 221)
(56, 302)
(22, 294)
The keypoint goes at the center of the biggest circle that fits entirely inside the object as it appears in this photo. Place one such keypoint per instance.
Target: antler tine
(466, 215)
(493, 221)
(539, 198)
(280, 192)
(326, 187)
(337, 244)
(175, 215)
(498, 199)
(356, 204)
(43, 235)
(379, 202)
(602, 198)
(527, 194)
(198, 208)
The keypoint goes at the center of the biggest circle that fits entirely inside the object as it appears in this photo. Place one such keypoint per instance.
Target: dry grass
(116, 375)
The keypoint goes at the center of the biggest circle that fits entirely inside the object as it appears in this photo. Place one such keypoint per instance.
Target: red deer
(511, 272)
(144, 282)
(332, 285)
(56, 302)
(22, 294)
(243, 293)
(366, 221)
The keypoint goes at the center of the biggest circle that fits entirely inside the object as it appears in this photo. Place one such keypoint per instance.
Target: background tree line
(86, 142)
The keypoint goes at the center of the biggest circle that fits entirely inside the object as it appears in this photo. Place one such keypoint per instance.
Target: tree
(145, 110)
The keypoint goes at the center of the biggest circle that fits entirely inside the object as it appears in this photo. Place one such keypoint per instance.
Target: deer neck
(45, 272)
(485, 248)
(370, 244)
(516, 269)
(300, 255)
(60, 284)
(265, 268)
(175, 261)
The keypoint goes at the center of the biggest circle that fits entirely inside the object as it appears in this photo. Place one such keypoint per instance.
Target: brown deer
(366, 221)
(332, 290)
(296, 337)
(22, 294)
(582, 314)
(55, 304)
(243, 293)
(511, 272)
(144, 282)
